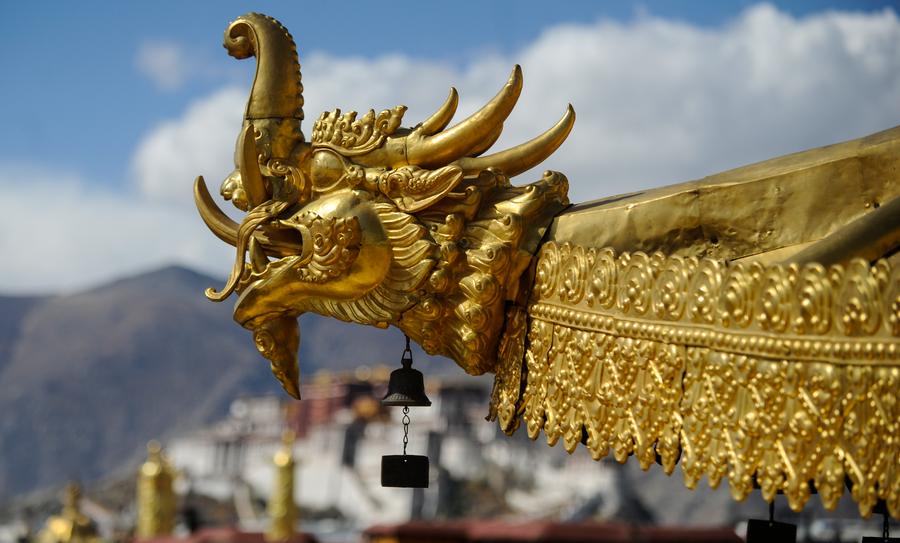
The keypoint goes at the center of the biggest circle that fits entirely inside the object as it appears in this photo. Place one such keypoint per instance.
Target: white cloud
(59, 234)
(657, 102)
(200, 142)
(660, 102)
(165, 63)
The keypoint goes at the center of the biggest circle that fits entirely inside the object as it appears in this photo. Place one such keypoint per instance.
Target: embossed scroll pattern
(782, 376)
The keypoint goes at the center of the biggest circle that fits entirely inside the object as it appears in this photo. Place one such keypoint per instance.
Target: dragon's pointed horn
(489, 140)
(277, 87)
(218, 222)
(441, 118)
(523, 157)
(457, 141)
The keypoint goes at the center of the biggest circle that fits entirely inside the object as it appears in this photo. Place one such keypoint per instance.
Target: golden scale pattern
(779, 376)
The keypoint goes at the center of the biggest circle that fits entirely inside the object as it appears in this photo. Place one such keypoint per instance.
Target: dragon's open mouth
(275, 242)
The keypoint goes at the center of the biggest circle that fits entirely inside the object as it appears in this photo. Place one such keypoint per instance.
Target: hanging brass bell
(407, 386)
(405, 389)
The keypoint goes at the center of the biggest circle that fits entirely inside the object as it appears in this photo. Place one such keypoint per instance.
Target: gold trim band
(847, 350)
(780, 376)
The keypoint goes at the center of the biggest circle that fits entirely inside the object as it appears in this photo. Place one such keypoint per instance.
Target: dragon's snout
(233, 190)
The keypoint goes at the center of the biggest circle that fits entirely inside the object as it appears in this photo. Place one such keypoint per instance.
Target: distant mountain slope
(12, 312)
(93, 375)
(87, 379)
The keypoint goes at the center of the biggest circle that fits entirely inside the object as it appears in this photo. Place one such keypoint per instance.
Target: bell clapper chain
(407, 350)
(405, 428)
(405, 389)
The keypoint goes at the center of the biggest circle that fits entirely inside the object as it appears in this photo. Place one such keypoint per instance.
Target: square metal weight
(404, 471)
(763, 531)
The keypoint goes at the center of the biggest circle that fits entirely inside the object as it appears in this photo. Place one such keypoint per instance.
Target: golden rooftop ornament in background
(746, 323)
(156, 500)
(71, 525)
(281, 508)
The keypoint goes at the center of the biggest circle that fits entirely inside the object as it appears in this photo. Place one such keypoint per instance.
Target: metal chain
(405, 427)
(886, 527)
(406, 351)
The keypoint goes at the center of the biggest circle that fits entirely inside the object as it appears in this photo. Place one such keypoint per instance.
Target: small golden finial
(156, 503)
(72, 500)
(282, 509)
(71, 525)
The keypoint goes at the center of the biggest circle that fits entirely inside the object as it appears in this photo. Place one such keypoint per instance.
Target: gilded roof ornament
(351, 136)
(281, 508)
(738, 323)
(156, 500)
(71, 525)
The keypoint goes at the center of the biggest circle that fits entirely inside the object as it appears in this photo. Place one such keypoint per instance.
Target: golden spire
(282, 509)
(155, 495)
(72, 501)
(71, 525)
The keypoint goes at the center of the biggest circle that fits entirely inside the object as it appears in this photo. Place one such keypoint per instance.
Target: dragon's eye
(325, 168)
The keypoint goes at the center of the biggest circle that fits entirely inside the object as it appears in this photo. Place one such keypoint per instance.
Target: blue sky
(112, 108)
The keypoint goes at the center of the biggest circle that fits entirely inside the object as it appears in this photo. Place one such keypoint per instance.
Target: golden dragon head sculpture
(374, 223)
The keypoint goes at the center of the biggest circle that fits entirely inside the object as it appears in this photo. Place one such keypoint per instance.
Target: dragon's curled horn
(277, 88)
(428, 145)
(271, 131)
(271, 121)
(275, 108)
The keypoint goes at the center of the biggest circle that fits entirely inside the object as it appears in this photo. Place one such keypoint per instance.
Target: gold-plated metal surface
(281, 508)
(156, 500)
(869, 237)
(766, 211)
(780, 374)
(746, 323)
(372, 223)
(71, 525)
